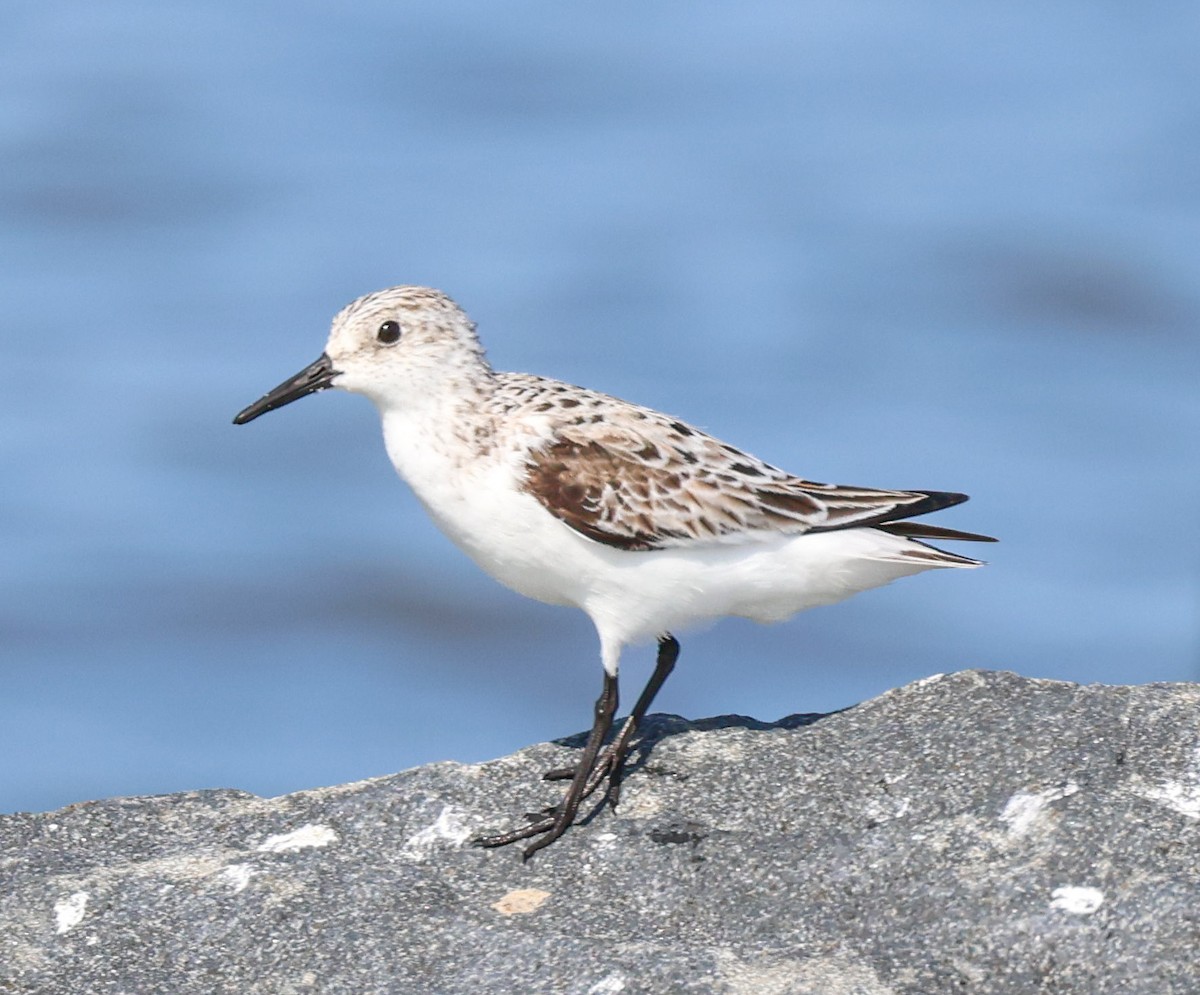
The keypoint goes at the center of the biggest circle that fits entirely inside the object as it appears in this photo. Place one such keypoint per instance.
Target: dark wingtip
(934, 501)
(928, 502)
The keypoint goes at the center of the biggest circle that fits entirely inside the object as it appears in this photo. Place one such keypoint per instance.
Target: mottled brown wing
(670, 486)
(604, 496)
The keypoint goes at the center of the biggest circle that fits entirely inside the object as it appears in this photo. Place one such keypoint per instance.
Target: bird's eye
(389, 332)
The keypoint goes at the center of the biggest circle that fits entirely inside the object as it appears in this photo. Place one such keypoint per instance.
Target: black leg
(614, 757)
(596, 764)
(556, 823)
(611, 760)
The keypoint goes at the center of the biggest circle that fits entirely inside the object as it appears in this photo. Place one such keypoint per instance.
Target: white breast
(478, 504)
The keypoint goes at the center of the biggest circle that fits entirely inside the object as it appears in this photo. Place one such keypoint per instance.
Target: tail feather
(919, 530)
(923, 553)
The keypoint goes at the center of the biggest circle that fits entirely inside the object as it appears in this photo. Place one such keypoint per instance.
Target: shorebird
(574, 497)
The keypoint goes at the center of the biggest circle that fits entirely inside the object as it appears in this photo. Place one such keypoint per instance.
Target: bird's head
(396, 346)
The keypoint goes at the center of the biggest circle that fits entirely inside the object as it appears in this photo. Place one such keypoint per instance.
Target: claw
(559, 774)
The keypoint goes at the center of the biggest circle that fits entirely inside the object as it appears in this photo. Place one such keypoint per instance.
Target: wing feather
(637, 480)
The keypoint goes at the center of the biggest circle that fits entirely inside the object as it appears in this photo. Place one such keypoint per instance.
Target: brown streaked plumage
(651, 482)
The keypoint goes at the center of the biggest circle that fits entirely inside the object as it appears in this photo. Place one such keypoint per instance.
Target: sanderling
(577, 498)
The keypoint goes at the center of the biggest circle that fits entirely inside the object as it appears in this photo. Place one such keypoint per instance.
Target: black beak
(314, 377)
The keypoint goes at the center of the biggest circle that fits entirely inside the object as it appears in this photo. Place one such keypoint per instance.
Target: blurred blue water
(888, 244)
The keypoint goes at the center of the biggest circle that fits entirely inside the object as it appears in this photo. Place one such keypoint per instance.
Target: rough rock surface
(973, 833)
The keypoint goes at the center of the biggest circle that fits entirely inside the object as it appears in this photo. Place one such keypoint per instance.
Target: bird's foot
(551, 822)
(597, 765)
(609, 766)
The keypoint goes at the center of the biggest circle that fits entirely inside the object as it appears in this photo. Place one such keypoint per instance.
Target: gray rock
(973, 833)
